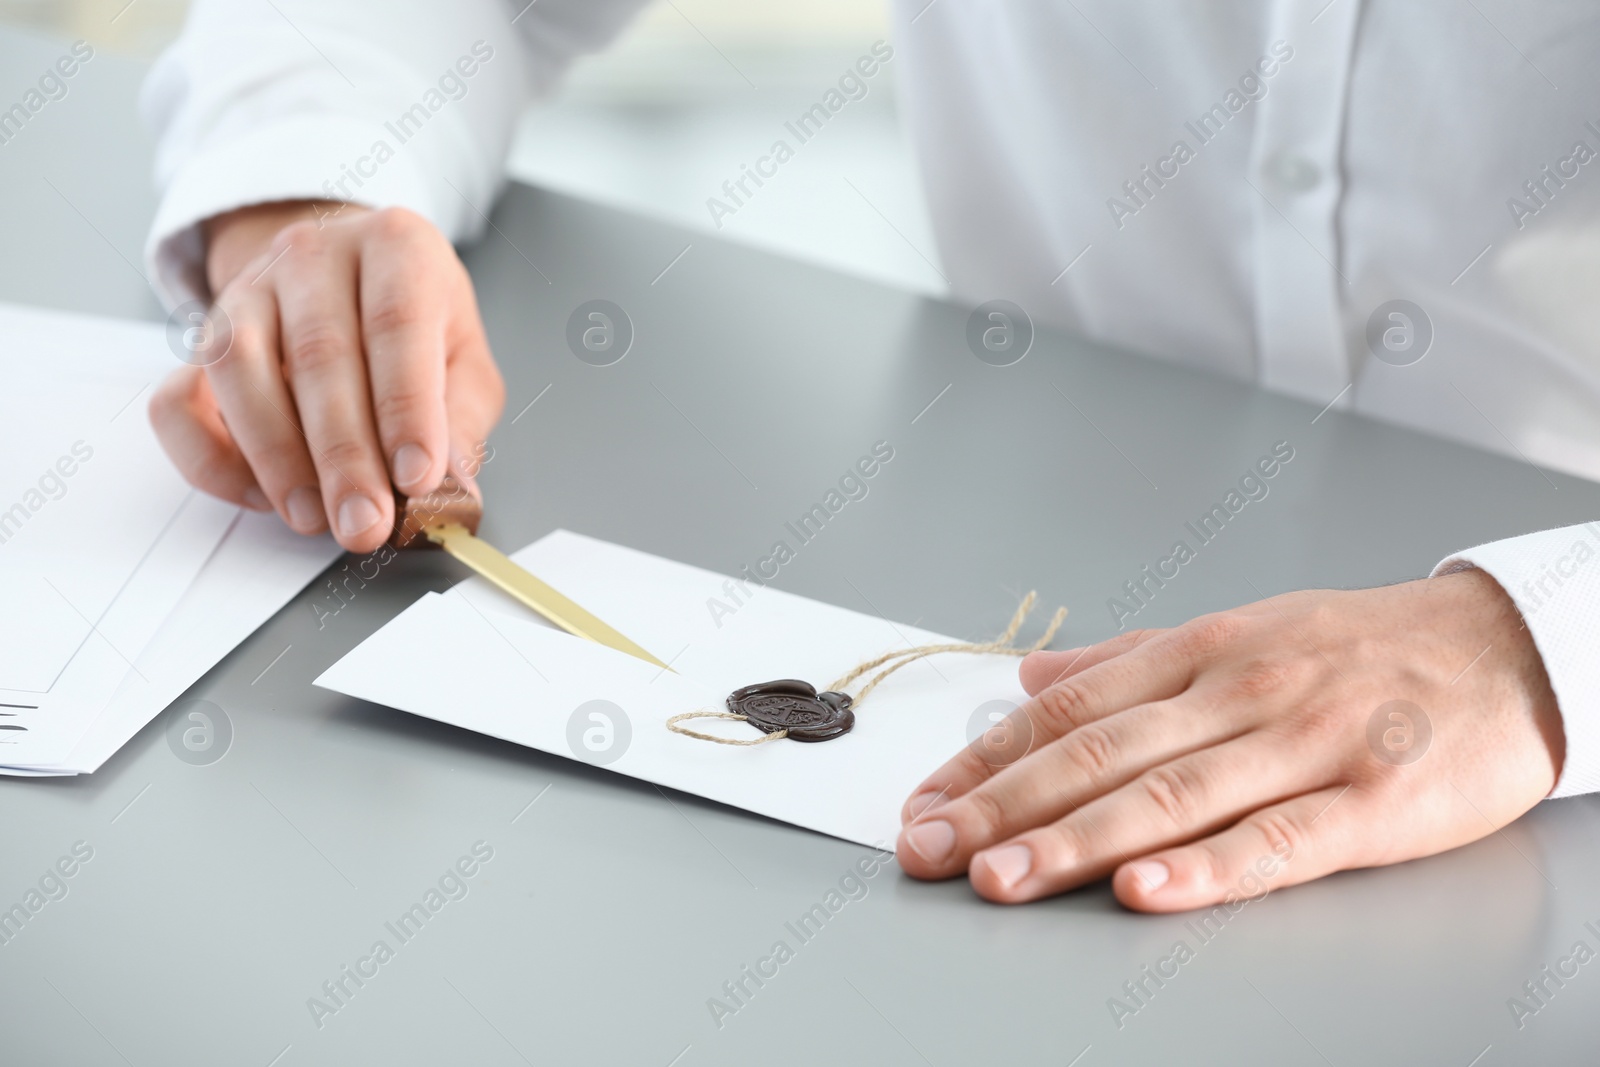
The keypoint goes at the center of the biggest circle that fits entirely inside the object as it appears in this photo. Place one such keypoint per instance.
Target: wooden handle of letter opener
(450, 503)
(448, 518)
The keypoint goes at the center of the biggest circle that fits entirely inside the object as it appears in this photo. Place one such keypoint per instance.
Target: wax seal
(796, 707)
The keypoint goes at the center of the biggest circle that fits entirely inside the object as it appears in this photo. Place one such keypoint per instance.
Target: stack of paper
(122, 584)
(477, 659)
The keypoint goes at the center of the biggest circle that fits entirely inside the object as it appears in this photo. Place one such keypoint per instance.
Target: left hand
(1229, 756)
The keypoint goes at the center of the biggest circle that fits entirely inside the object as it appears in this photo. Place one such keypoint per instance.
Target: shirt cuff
(1553, 576)
(298, 158)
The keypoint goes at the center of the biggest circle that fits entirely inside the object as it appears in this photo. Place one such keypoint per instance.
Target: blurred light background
(694, 90)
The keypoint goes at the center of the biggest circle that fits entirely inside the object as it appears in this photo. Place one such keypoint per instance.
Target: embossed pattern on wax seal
(796, 707)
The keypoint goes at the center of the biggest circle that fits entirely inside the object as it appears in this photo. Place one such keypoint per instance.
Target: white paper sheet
(103, 547)
(478, 660)
(257, 569)
(99, 535)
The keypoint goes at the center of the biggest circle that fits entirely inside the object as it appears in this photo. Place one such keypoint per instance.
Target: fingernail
(933, 841)
(923, 801)
(1153, 874)
(256, 500)
(357, 515)
(1010, 864)
(409, 465)
(304, 506)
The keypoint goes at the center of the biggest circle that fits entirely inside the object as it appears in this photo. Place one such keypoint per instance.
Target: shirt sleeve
(1554, 578)
(408, 103)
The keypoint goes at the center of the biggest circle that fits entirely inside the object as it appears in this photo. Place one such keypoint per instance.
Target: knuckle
(243, 336)
(1214, 864)
(314, 348)
(399, 407)
(966, 766)
(394, 314)
(345, 453)
(1066, 705)
(299, 237)
(1094, 750)
(1315, 724)
(1173, 790)
(1282, 833)
(987, 811)
(1071, 841)
(1321, 615)
(1260, 677)
(396, 223)
(1134, 638)
(1210, 634)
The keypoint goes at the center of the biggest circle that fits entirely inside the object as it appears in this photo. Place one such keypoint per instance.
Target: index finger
(326, 370)
(1041, 670)
(1155, 670)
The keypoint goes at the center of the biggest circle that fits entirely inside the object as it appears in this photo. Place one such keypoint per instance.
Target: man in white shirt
(1310, 195)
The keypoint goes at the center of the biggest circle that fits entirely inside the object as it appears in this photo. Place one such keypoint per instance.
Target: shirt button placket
(1294, 168)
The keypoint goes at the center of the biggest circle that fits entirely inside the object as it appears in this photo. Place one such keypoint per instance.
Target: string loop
(672, 724)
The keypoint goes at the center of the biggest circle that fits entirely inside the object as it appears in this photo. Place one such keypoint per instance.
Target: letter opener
(448, 518)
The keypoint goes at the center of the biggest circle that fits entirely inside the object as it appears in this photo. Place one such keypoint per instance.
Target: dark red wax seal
(794, 706)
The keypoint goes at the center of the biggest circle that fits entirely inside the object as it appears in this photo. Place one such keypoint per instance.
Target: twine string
(1000, 646)
(672, 724)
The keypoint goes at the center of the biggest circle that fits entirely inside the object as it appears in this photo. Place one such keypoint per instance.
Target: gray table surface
(221, 897)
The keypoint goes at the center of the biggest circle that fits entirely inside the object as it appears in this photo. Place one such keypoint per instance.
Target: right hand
(355, 360)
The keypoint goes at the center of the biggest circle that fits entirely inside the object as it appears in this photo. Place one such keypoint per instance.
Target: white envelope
(476, 659)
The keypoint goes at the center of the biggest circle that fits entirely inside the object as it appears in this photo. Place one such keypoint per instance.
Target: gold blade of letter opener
(448, 518)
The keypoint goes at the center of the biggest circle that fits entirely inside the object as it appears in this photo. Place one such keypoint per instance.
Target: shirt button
(1293, 172)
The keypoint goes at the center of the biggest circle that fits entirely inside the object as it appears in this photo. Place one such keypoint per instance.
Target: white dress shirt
(1244, 185)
